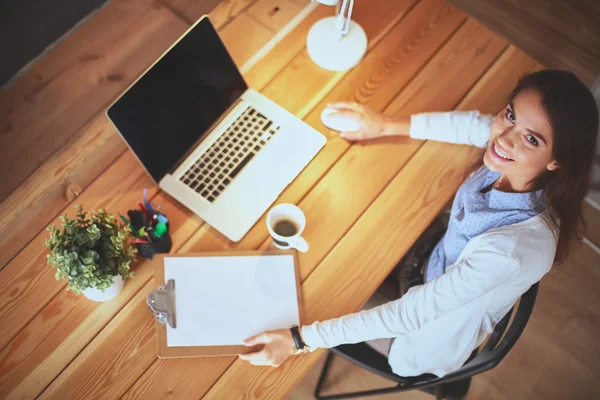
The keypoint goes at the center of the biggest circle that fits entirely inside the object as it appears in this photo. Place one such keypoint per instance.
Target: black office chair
(454, 385)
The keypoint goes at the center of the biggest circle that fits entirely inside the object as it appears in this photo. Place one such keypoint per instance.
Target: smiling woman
(518, 148)
(550, 127)
(509, 222)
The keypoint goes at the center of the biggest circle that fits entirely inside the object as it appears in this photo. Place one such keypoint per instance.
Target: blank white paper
(224, 300)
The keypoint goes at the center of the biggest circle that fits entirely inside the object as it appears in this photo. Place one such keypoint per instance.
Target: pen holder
(162, 245)
(145, 224)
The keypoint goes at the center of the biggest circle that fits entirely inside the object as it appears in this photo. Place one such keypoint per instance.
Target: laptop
(223, 150)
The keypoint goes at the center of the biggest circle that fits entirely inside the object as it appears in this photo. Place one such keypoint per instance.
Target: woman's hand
(278, 347)
(373, 124)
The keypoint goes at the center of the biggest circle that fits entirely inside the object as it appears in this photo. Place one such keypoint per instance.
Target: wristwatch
(301, 347)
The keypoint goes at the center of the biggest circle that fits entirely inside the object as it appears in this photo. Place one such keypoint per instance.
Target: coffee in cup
(285, 223)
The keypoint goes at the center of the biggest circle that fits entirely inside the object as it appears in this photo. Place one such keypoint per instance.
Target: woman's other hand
(278, 346)
(373, 124)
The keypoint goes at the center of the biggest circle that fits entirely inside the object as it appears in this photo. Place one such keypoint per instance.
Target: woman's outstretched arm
(460, 127)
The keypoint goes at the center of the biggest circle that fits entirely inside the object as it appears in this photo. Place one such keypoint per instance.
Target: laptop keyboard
(223, 161)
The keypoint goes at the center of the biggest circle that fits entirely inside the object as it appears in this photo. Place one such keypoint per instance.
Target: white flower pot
(111, 292)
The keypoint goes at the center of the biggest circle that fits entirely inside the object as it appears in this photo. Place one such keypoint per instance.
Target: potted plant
(94, 254)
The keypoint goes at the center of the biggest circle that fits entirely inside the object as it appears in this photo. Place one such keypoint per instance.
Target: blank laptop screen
(172, 106)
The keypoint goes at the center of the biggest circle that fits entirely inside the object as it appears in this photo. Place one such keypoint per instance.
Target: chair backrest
(497, 346)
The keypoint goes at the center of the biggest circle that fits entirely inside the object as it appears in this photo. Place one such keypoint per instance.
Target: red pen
(145, 211)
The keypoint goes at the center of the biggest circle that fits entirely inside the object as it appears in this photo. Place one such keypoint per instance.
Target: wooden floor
(558, 34)
(55, 139)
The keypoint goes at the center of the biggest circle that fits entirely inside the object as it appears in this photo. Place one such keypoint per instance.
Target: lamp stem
(341, 23)
(349, 18)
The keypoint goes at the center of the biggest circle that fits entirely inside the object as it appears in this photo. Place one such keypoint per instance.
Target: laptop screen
(172, 106)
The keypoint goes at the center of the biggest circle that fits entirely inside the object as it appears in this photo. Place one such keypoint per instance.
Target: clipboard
(163, 303)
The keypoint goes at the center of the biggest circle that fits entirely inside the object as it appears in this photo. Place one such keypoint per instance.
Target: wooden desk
(365, 204)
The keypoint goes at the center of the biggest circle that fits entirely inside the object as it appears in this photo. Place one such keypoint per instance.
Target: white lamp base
(328, 51)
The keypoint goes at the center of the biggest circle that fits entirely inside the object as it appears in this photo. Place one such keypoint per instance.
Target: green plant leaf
(90, 251)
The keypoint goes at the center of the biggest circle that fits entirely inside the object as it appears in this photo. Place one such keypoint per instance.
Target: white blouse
(437, 325)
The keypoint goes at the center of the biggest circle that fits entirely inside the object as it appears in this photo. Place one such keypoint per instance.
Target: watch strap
(300, 345)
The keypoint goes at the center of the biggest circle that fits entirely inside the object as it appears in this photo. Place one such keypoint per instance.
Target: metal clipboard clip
(162, 303)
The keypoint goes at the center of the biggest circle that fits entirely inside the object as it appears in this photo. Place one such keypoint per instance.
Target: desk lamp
(337, 43)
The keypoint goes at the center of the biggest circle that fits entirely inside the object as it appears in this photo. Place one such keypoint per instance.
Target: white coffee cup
(287, 218)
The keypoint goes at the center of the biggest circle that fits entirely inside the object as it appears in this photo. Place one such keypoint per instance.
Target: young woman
(509, 222)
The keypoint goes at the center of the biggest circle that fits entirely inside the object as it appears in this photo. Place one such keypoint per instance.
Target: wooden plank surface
(64, 176)
(389, 13)
(20, 306)
(40, 24)
(62, 384)
(25, 304)
(353, 166)
(57, 183)
(253, 32)
(27, 283)
(223, 12)
(346, 377)
(64, 346)
(555, 360)
(274, 14)
(182, 380)
(35, 298)
(52, 100)
(501, 78)
(284, 52)
(568, 294)
(35, 258)
(591, 216)
(47, 114)
(454, 69)
(74, 166)
(68, 323)
(559, 34)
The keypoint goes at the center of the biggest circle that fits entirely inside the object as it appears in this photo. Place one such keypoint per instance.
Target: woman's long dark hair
(573, 115)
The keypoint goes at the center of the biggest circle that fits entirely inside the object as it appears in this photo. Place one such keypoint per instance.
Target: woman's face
(521, 142)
